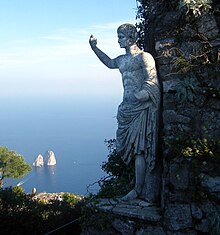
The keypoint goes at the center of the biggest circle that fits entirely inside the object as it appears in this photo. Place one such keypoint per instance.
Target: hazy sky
(44, 46)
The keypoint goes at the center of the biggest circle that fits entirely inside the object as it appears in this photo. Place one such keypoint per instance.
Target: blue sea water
(73, 128)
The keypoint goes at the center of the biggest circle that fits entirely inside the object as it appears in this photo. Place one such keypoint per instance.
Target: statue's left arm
(150, 76)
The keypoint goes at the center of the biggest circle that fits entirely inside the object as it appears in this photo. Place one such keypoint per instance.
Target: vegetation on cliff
(21, 213)
(12, 165)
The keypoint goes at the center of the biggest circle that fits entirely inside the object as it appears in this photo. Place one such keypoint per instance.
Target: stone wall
(189, 68)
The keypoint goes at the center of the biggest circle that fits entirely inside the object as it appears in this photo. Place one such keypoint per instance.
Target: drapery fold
(138, 127)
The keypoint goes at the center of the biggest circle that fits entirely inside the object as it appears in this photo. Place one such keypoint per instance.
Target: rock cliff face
(189, 69)
(39, 161)
(50, 158)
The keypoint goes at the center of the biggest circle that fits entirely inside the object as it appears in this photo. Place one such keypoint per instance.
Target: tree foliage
(196, 7)
(12, 165)
(21, 213)
(142, 17)
(150, 13)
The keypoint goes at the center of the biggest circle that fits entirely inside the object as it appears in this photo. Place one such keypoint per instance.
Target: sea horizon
(74, 130)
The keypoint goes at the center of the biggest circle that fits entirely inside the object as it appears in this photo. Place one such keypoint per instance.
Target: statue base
(136, 208)
(119, 217)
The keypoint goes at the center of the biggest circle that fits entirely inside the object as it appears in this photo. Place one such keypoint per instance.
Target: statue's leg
(140, 166)
(152, 185)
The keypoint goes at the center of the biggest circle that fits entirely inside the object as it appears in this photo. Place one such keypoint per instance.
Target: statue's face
(123, 40)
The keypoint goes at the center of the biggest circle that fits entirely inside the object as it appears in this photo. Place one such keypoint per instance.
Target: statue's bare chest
(131, 70)
(129, 64)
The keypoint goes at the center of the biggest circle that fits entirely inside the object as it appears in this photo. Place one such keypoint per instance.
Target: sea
(74, 128)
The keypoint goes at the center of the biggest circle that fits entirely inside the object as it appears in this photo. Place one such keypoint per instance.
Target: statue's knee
(140, 163)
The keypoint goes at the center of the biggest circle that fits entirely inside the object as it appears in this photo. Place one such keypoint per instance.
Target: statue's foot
(130, 196)
(145, 204)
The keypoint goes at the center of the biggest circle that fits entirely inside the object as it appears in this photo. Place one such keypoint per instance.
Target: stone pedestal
(131, 218)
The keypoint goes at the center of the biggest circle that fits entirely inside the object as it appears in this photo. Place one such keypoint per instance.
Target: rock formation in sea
(39, 161)
(50, 158)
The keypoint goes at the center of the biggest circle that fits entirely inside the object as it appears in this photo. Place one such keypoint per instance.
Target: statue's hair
(129, 31)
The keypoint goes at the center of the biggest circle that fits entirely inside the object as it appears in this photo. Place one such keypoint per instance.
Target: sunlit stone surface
(39, 161)
(50, 158)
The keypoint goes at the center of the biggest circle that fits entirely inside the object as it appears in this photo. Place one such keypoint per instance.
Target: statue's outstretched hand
(92, 41)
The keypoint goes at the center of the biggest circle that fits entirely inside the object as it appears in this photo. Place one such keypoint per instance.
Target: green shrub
(196, 7)
(120, 175)
(20, 213)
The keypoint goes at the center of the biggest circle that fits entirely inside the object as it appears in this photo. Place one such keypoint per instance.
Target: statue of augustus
(137, 115)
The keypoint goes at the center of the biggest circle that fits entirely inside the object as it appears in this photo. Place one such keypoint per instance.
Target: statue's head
(129, 31)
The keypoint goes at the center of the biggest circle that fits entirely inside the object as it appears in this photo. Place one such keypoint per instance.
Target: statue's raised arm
(110, 63)
(92, 41)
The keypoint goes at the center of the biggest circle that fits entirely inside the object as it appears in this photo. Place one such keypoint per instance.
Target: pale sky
(44, 47)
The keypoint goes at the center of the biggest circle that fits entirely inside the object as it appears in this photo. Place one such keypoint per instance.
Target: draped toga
(138, 118)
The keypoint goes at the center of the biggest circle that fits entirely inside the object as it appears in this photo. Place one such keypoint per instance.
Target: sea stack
(50, 158)
(39, 161)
